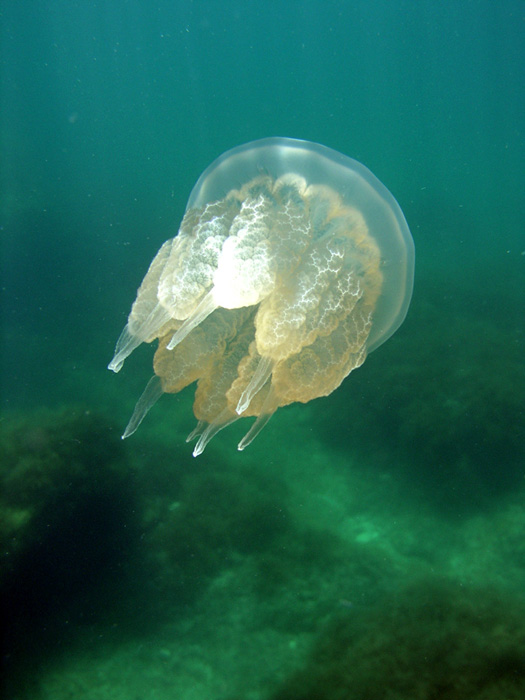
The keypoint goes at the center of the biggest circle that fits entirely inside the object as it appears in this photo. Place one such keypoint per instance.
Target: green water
(403, 491)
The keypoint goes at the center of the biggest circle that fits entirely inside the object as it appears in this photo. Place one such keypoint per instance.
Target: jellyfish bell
(292, 262)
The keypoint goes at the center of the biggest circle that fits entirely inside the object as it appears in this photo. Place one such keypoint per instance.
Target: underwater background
(370, 544)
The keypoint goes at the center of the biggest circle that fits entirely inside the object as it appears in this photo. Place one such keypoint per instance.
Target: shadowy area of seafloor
(432, 639)
(68, 535)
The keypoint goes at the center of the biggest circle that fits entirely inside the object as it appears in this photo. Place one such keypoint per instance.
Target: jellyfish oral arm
(258, 380)
(135, 334)
(202, 311)
(150, 396)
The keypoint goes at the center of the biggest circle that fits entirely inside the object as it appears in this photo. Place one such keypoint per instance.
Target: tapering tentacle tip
(115, 366)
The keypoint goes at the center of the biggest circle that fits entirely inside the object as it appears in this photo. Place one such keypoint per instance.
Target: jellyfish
(291, 264)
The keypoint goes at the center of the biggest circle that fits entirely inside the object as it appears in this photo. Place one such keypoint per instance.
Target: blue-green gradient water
(403, 492)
